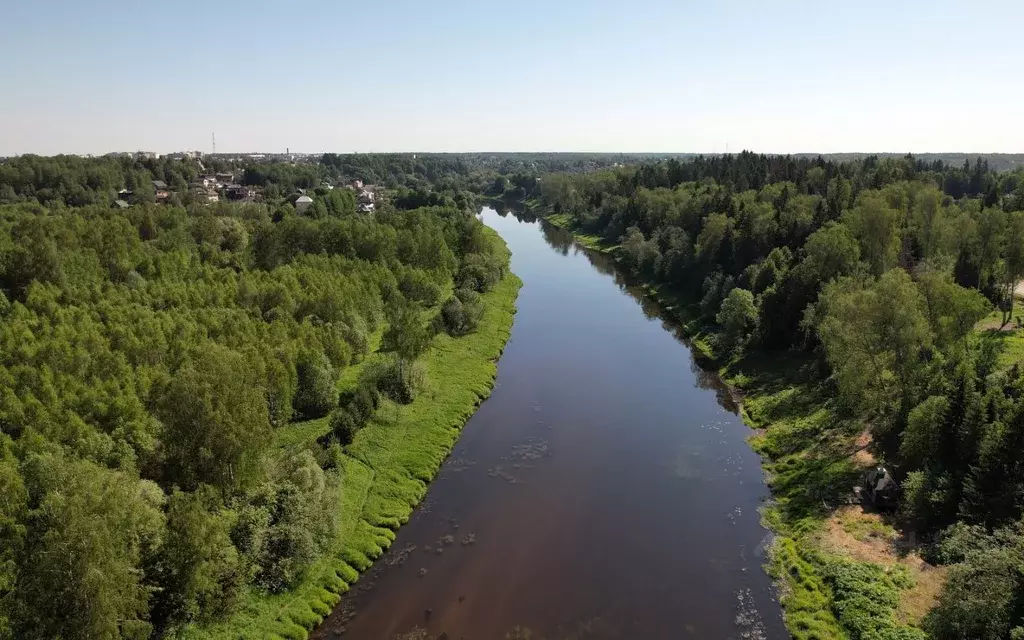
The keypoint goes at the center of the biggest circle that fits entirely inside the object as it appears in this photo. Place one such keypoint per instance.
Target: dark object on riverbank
(881, 489)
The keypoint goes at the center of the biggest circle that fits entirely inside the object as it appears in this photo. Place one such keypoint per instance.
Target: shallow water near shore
(605, 490)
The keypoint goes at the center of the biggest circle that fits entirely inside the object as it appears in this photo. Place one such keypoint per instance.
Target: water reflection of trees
(562, 241)
(503, 208)
(558, 239)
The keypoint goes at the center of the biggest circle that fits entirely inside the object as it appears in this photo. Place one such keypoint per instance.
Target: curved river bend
(605, 490)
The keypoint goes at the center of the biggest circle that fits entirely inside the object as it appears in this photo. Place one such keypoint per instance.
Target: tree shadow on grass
(809, 447)
(812, 486)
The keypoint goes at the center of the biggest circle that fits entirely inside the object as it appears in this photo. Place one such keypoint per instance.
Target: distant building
(204, 193)
(302, 203)
(225, 178)
(162, 191)
(366, 198)
(119, 204)
(240, 192)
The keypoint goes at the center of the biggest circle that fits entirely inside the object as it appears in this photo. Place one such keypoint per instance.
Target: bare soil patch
(864, 535)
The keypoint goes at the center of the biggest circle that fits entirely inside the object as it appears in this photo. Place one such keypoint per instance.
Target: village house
(366, 199)
(163, 192)
(302, 203)
(204, 194)
(240, 192)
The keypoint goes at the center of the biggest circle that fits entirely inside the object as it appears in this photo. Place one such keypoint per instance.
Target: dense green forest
(881, 294)
(153, 360)
(184, 385)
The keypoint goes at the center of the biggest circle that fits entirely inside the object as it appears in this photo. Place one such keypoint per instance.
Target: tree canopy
(879, 269)
(149, 358)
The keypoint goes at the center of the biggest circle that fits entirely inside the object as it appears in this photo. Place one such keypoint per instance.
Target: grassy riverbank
(596, 243)
(841, 570)
(385, 472)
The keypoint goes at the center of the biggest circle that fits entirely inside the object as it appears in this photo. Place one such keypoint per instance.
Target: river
(605, 490)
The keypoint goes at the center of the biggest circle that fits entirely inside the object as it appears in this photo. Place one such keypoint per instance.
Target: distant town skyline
(199, 153)
(653, 76)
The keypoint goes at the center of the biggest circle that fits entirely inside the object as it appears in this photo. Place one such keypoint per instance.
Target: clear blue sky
(450, 75)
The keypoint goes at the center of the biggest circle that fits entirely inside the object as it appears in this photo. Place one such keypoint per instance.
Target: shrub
(406, 335)
(716, 287)
(201, 568)
(738, 316)
(364, 402)
(416, 285)
(397, 378)
(461, 313)
(344, 425)
(315, 397)
(334, 457)
(865, 598)
(304, 521)
(983, 591)
(480, 271)
(355, 408)
(252, 520)
(355, 335)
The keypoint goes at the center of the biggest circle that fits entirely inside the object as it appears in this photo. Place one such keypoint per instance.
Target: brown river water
(606, 489)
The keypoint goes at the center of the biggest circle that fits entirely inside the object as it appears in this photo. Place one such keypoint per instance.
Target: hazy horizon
(300, 152)
(459, 76)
